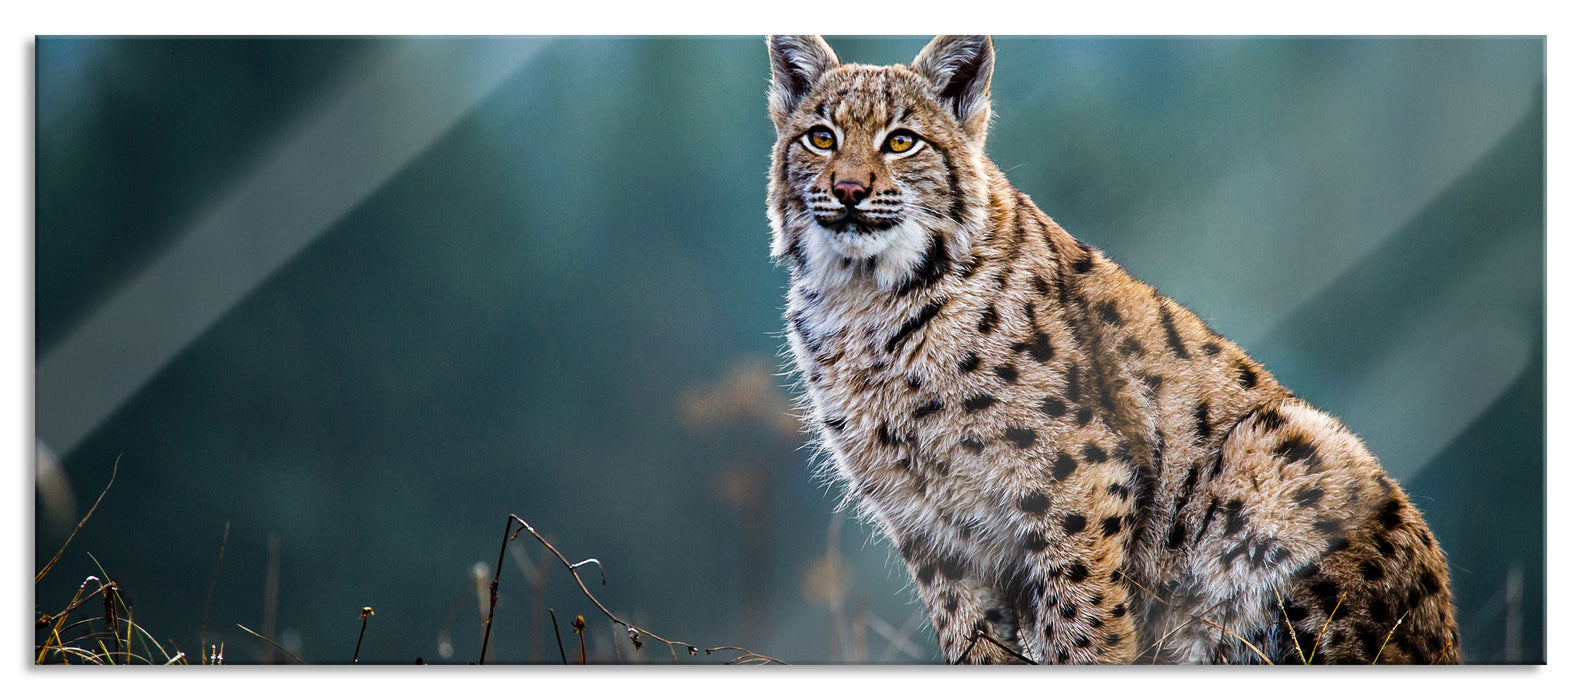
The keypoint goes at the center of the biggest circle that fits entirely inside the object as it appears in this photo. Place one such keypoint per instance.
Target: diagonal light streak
(339, 155)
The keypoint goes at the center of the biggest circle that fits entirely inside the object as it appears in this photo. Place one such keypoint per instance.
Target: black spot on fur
(1177, 534)
(978, 403)
(1295, 448)
(1268, 419)
(1386, 549)
(1119, 491)
(1131, 347)
(989, 320)
(1390, 514)
(1082, 643)
(1325, 589)
(935, 264)
(1111, 525)
(1062, 466)
(913, 324)
(1118, 610)
(1074, 523)
(1151, 385)
(1308, 497)
(1371, 571)
(1246, 376)
(1329, 527)
(1211, 349)
(973, 444)
(1039, 348)
(1227, 558)
(968, 363)
(1053, 407)
(925, 572)
(1172, 338)
(1208, 517)
(1296, 613)
(1204, 430)
(835, 424)
(1306, 571)
(1108, 313)
(1335, 544)
(1233, 518)
(886, 437)
(1034, 542)
(1077, 572)
(1094, 454)
(932, 407)
(1036, 503)
(1380, 610)
(1068, 611)
(1429, 582)
(1021, 437)
(1084, 262)
(1006, 372)
(953, 567)
(1083, 416)
(993, 615)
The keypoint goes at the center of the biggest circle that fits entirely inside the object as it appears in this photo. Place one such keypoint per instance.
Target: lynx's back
(1074, 468)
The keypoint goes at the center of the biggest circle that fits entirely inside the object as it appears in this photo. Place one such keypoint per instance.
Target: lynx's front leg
(962, 605)
(1074, 594)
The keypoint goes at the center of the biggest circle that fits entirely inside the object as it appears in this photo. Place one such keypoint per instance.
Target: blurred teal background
(344, 304)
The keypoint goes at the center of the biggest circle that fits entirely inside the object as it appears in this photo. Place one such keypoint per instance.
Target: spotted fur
(1067, 461)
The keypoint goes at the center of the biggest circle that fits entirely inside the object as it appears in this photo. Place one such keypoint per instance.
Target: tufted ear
(796, 62)
(959, 67)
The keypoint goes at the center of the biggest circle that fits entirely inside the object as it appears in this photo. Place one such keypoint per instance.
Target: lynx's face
(877, 170)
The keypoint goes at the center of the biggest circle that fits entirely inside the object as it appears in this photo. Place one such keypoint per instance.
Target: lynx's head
(878, 172)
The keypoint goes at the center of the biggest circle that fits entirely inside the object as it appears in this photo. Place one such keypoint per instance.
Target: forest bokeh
(339, 306)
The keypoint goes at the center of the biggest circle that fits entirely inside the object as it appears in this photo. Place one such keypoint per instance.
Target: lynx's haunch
(1069, 463)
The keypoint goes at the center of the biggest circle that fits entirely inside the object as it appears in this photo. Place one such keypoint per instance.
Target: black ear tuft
(959, 68)
(797, 62)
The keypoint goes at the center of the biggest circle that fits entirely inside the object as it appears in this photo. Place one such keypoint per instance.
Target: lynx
(1073, 467)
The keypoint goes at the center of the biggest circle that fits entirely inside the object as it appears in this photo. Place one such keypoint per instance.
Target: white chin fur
(837, 258)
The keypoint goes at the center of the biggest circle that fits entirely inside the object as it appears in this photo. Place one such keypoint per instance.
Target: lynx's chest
(959, 411)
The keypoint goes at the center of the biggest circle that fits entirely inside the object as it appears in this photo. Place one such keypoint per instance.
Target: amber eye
(900, 141)
(821, 138)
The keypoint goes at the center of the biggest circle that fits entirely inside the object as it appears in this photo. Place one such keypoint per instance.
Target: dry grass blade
(272, 643)
(747, 657)
(1321, 632)
(1386, 642)
(203, 639)
(42, 572)
(1205, 620)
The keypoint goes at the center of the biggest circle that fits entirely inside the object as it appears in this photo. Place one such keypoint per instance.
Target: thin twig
(113, 469)
(636, 633)
(277, 645)
(556, 624)
(979, 635)
(746, 657)
(203, 640)
(367, 613)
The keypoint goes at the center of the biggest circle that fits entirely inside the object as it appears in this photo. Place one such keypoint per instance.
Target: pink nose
(850, 193)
